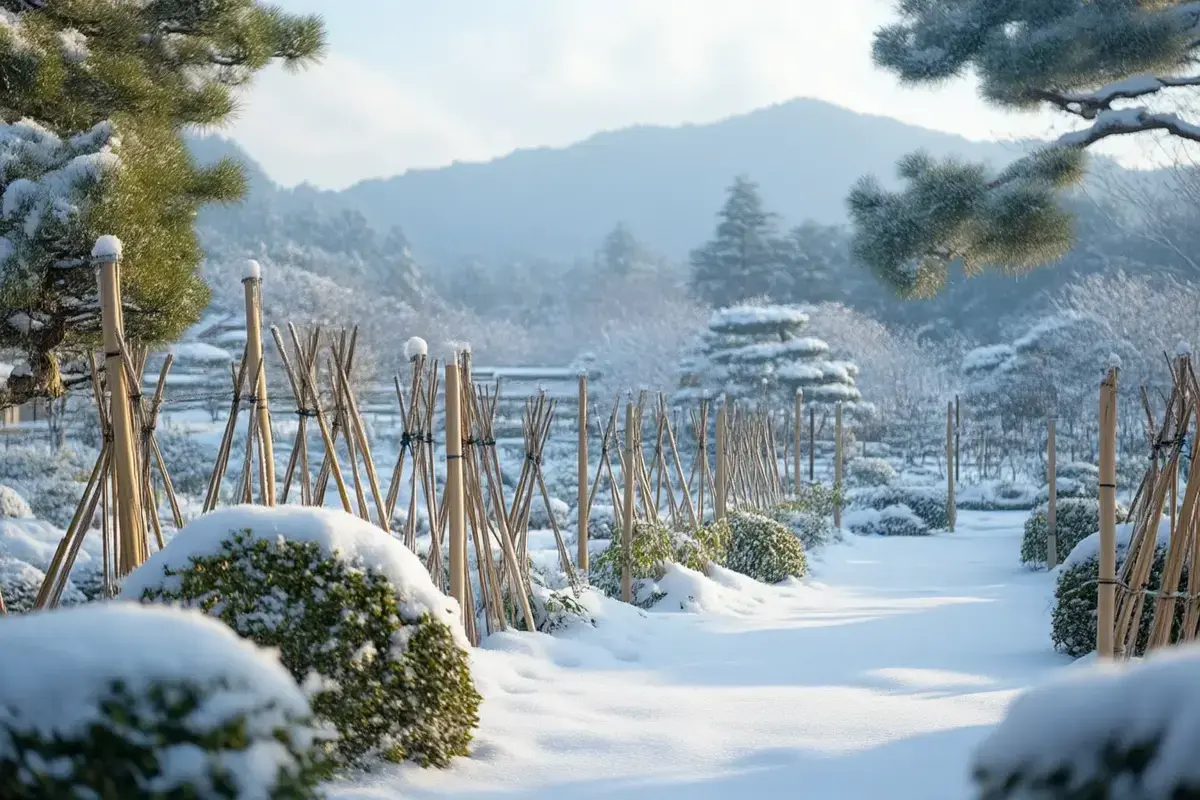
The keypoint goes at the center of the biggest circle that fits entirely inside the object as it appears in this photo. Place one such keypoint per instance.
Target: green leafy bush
(117, 701)
(1075, 519)
(764, 549)
(340, 601)
(654, 547)
(1073, 621)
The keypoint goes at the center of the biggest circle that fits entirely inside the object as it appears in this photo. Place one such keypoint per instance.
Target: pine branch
(1125, 121)
(1089, 104)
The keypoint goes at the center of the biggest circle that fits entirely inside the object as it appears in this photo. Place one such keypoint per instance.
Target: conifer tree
(94, 98)
(622, 254)
(740, 262)
(1096, 61)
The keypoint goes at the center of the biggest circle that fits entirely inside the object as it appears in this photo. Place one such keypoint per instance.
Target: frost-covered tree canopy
(1097, 61)
(739, 262)
(96, 95)
(758, 354)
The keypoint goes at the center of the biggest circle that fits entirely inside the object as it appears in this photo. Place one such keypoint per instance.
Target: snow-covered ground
(878, 675)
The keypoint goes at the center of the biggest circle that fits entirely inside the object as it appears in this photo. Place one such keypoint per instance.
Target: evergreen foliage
(97, 95)
(764, 549)
(757, 354)
(1077, 57)
(739, 262)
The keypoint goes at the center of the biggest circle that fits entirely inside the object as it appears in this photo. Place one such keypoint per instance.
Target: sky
(410, 84)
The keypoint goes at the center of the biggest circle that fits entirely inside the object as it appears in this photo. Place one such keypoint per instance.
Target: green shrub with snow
(897, 520)
(870, 472)
(929, 504)
(764, 549)
(342, 602)
(1075, 519)
(996, 495)
(119, 702)
(1074, 479)
(188, 462)
(655, 546)
(1105, 732)
(809, 516)
(1073, 620)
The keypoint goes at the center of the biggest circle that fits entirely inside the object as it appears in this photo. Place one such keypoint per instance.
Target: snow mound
(339, 535)
(12, 505)
(70, 672)
(1131, 730)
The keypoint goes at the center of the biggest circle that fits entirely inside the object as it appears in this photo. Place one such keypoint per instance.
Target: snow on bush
(1111, 730)
(602, 522)
(343, 601)
(188, 462)
(540, 520)
(809, 515)
(1074, 479)
(926, 502)
(897, 520)
(1075, 519)
(653, 549)
(870, 472)
(12, 505)
(764, 549)
(1073, 621)
(122, 701)
(56, 501)
(996, 495)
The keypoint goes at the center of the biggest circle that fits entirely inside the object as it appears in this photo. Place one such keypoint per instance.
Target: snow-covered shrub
(12, 505)
(121, 701)
(19, 583)
(56, 501)
(1073, 621)
(897, 520)
(996, 496)
(709, 544)
(189, 463)
(540, 520)
(812, 530)
(763, 549)
(870, 472)
(602, 522)
(1073, 479)
(340, 600)
(557, 609)
(1075, 519)
(1124, 730)
(926, 502)
(654, 547)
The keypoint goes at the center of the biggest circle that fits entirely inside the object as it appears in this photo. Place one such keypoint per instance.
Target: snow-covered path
(878, 674)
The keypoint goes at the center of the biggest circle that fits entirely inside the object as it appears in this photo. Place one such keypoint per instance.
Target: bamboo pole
(951, 506)
(252, 284)
(454, 485)
(1052, 501)
(837, 465)
(627, 513)
(720, 496)
(581, 554)
(130, 533)
(1106, 606)
(812, 445)
(957, 436)
(796, 439)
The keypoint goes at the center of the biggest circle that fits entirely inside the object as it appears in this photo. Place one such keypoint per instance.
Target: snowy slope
(879, 675)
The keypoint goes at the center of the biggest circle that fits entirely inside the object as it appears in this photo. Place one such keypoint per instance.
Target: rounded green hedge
(897, 520)
(927, 503)
(1075, 519)
(764, 549)
(117, 701)
(654, 547)
(1073, 620)
(342, 602)
(870, 472)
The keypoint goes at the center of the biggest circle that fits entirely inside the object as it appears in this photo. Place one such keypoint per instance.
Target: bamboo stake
(106, 256)
(837, 465)
(1052, 502)
(720, 496)
(581, 539)
(627, 515)
(812, 445)
(252, 284)
(454, 485)
(951, 507)
(1108, 516)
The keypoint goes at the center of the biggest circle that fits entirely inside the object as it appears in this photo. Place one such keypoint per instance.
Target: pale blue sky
(421, 84)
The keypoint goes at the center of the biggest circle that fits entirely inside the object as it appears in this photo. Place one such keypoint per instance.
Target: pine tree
(622, 254)
(740, 262)
(1082, 57)
(96, 96)
(812, 263)
(758, 354)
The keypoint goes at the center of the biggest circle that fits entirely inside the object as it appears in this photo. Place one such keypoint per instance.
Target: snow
(62, 663)
(415, 348)
(74, 45)
(253, 271)
(1073, 720)
(881, 673)
(199, 351)
(107, 247)
(757, 316)
(1090, 547)
(349, 538)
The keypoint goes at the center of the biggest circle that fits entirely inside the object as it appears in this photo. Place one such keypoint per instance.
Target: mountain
(665, 183)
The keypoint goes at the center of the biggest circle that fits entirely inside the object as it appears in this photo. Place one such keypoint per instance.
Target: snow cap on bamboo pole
(1183, 349)
(415, 348)
(108, 248)
(1114, 361)
(253, 271)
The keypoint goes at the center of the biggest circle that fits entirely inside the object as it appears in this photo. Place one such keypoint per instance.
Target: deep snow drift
(880, 674)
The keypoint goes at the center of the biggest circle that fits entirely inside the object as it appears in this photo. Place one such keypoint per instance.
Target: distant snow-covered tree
(740, 261)
(1101, 62)
(622, 254)
(759, 354)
